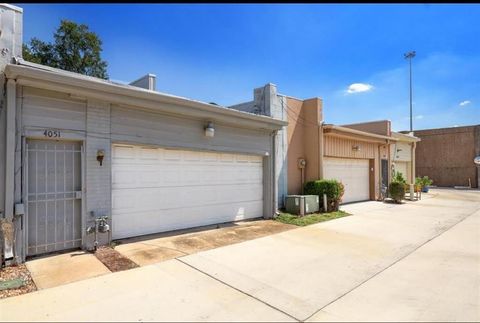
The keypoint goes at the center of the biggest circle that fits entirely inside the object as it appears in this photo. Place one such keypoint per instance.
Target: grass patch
(308, 219)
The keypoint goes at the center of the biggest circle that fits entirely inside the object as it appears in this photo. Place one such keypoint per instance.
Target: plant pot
(425, 189)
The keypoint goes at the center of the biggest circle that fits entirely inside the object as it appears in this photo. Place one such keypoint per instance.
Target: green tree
(75, 49)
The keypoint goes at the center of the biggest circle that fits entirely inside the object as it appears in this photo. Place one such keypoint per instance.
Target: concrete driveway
(410, 262)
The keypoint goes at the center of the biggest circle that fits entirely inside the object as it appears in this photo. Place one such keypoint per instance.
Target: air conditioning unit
(302, 204)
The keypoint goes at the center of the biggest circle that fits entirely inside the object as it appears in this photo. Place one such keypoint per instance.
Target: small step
(10, 284)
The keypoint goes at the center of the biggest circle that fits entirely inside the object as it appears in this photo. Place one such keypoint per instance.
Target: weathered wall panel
(52, 110)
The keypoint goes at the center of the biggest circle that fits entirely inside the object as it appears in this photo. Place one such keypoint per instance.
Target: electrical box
(302, 204)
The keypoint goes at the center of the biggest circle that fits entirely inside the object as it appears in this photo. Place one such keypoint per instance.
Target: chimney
(146, 82)
(10, 33)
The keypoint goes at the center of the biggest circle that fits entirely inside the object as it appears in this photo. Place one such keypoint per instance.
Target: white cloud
(359, 87)
(464, 103)
(419, 117)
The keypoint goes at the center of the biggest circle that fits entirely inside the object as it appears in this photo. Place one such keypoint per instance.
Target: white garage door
(156, 190)
(353, 173)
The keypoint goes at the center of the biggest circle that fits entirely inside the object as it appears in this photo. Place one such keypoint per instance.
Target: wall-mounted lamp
(209, 130)
(100, 155)
(356, 148)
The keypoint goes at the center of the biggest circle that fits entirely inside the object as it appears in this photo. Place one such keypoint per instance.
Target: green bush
(398, 177)
(397, 191)
(423, 181)
(426, 181)
(332, 188)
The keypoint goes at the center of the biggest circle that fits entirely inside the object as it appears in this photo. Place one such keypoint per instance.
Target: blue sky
(220, 53)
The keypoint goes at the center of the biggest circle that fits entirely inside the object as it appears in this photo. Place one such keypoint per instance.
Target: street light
(409, 56)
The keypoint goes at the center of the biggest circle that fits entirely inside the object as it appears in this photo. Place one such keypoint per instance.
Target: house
(77, 148)
(402, 155)
(359, 155)
(446, 155)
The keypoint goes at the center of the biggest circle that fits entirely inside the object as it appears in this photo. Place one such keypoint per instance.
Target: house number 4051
(51, 133)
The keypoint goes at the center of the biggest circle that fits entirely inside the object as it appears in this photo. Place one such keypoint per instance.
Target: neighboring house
(446, 155)
(357, 154)
(402, 155)
(77, 147)
(359, 159)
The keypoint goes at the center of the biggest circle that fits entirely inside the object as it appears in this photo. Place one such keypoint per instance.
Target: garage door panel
(354, 175)
(127, 224)
(160, 190)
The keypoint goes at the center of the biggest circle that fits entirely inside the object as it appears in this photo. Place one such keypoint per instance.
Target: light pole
(409, 56)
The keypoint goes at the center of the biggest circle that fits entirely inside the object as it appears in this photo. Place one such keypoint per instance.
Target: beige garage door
(156, 189)
(353, 173)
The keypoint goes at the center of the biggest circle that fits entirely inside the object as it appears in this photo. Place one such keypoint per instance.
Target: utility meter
(302, 163)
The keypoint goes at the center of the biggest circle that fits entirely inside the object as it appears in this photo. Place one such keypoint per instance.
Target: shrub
(332, 188)
(397, 191)
(398, 177)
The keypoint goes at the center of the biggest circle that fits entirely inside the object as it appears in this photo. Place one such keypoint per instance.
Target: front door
(384, 175)
(54, 186)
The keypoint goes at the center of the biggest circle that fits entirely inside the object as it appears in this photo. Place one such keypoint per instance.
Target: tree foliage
(75, 49)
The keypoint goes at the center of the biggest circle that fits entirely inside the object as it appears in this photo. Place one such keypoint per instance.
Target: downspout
(7, 222)
(274, 172)
(320, 149)
(412, 171)
(380, 177)
(412, 163)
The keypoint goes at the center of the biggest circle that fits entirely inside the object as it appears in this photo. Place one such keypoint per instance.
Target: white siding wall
(405, 153)
(98, 178)
(101, 124)
(52, 110)
(141, 126)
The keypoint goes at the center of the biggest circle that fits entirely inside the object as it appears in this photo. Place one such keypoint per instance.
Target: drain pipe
(274, 171)
(7, 223)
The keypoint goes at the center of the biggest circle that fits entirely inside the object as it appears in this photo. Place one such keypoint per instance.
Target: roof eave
(354, 132)
(92, 87)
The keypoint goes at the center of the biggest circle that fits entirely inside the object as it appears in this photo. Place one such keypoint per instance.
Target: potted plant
(418, 184)
(426, 182)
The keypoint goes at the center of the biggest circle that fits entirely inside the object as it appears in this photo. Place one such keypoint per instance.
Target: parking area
(59, 269)
(403, 262)
(155, 248)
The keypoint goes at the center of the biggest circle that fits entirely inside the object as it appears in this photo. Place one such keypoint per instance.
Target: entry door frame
(38, 134)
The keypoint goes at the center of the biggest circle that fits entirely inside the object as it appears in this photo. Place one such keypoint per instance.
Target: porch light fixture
(356, 148)
(100, 155)
(209, 130)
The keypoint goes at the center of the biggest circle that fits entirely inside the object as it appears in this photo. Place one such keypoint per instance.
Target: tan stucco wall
(306, 140)
(295, 144)
(380, 127)
(303, 131)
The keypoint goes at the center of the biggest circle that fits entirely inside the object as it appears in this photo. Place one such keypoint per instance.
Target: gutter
(330, 127)
(32, 74)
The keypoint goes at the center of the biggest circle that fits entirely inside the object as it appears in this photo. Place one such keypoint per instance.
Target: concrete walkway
(415, 261)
